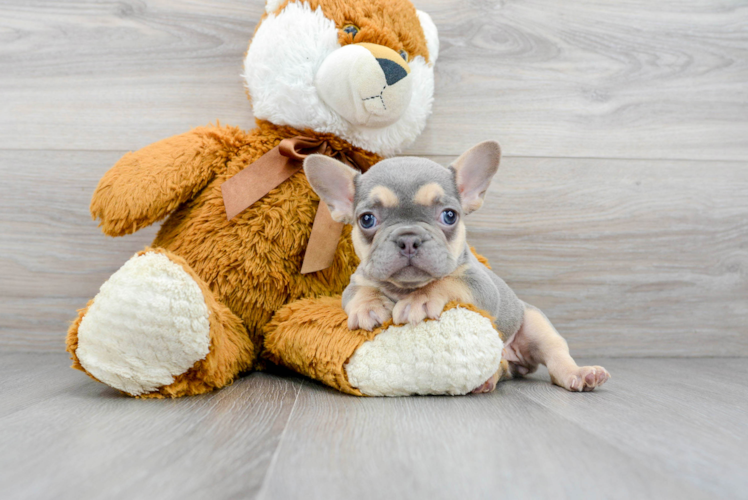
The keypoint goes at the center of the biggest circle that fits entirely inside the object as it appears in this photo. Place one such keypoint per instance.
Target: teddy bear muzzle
(365, 83)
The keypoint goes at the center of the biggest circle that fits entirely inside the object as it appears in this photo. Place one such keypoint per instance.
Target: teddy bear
(247, 267)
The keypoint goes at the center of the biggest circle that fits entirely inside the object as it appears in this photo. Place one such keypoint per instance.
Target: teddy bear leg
(155, 329)
(454, 355)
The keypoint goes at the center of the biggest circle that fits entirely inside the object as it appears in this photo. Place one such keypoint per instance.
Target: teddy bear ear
(432, 35)
(272, 5)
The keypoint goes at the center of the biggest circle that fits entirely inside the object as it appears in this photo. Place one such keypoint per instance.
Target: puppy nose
(408, 244)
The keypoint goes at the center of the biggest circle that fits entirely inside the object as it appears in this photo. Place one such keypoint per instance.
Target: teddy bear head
(359, 69)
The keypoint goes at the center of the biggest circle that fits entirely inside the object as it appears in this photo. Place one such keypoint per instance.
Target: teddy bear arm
(146, 185)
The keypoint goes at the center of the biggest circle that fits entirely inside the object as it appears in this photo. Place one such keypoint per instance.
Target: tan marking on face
(360, 246)
(383, 195)
(428, 194)
(457, 245)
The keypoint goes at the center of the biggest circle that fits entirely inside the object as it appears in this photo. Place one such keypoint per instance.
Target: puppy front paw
(416, 307)
(368, 312)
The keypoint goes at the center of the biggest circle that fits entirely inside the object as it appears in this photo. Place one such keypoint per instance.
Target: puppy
(408, 230)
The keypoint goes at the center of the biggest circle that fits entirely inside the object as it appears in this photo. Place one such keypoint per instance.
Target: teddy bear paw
(148, 324)
(451, 356)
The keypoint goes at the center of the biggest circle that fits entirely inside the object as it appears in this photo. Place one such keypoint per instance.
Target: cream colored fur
(351, 82)
(452, 355)
(148, 324)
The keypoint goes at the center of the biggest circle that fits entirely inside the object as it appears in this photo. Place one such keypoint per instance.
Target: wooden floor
(661, 428)
(620, 209)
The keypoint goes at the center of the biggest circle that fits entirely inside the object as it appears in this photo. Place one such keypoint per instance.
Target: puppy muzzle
(408, 256)
(367, 84)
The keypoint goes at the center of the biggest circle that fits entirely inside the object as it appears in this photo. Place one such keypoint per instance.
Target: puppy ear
(333, 181)
(474, 170)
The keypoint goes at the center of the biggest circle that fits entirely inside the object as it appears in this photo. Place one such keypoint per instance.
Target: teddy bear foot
(153, 326)
(452, 355)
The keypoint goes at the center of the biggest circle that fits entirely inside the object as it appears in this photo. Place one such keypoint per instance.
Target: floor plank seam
(276, 452)
(604, 438)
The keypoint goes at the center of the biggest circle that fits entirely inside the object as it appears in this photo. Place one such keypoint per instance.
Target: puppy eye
(448, 217)
(351, 29)
(404, 55)
(367, 221)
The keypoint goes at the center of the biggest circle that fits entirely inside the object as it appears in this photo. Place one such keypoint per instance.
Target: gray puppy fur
(409, 233)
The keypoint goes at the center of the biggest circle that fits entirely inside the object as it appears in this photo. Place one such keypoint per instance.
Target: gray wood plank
(627, 258)
(637, 258)
(109, 74)
(660, 428)
(32, 378)
(53, 258)
(625, 79)
(90, 442)
(685, 418)
(501, 445)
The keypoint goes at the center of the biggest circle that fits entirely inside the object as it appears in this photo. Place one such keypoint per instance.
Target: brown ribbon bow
(274, 167)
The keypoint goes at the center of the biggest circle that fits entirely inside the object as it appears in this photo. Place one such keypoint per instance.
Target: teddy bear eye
(449, 217)
(351, 29)
(367, 221)
(404, 55)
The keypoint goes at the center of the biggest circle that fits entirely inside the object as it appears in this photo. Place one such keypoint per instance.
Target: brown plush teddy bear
(244, 236)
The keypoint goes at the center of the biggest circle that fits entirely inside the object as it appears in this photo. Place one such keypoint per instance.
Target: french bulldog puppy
(408, 230)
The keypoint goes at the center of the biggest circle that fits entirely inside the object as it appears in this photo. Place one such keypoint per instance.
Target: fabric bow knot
(270, 170)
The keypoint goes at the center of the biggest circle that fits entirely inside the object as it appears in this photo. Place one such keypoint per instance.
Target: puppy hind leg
(538, 342)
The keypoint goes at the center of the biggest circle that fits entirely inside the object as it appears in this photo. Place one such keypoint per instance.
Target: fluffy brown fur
(392, 23)
(248, 268)
(252, 262)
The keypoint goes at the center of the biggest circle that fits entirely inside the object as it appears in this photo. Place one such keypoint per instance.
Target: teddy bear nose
(393, 72)
(408, 244)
